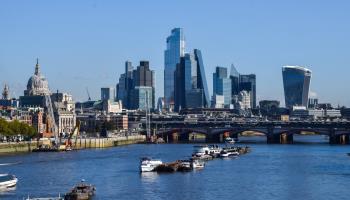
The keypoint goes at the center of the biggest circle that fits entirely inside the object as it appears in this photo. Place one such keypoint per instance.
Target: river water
(314, 170)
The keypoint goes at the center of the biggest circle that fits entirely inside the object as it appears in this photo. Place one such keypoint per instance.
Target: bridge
(275, 131)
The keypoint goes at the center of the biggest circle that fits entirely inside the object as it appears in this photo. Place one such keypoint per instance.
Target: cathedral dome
(37, 84)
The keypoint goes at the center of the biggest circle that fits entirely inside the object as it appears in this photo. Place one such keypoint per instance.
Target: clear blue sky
(85, 43)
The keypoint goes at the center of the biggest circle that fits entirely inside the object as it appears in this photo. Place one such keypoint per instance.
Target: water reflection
(149, 177)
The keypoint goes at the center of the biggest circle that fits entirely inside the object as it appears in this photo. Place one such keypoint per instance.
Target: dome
(37, 84)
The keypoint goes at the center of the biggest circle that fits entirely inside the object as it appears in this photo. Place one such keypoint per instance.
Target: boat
(229, 140)
(7, 181)
(185, 165)
(149, 164)
(197, 164)
(201, 151)
(214, 150)
(81, 191)
(228, 152)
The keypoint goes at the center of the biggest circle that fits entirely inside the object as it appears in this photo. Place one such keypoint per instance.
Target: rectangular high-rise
(248, 83)
(222, 86)
(174, 51)
(107, 93)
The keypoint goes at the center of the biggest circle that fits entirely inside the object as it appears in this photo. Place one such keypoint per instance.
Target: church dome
(37, 84)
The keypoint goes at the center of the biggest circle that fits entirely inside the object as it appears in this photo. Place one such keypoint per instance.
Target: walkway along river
(271, 171)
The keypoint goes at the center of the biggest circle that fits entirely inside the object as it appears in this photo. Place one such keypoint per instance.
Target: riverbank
(82, 143)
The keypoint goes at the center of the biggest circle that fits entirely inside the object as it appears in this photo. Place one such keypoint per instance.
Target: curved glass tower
(174, 51)
(296, 82)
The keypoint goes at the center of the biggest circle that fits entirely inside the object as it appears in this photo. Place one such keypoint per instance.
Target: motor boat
(228, 152)
(214, 150)
(197, 164)
(229, 140)
(201, 151)
(81, 191)
(185, 165)
(7, 181)
(149, 164)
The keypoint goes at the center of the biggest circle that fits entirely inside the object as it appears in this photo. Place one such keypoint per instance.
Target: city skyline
(314, 48)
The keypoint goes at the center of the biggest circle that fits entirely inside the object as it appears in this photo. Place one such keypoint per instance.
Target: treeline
(15, 128)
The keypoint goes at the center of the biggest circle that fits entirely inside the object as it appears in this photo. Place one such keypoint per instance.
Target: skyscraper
(296, 82)
(191, 90)
(221, 86)
(107, 93)
(174, 51)
(125, 85)
(234, 76)
(248, 83)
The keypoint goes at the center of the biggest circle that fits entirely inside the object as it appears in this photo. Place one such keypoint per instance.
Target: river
(310, 169)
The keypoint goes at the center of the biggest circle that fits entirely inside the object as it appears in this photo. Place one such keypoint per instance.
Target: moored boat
(197, 164)
(185, 165)
(149, 164)
(7, 181)
(228, 152)
(82, 191)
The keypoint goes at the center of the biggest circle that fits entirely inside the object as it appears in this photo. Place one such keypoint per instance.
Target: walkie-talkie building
(296, 82)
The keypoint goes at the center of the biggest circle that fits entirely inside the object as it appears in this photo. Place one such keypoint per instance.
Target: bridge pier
(184, 137)
(286, 138)
(339, 139)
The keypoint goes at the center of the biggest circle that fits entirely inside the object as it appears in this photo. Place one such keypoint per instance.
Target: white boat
(214, 150)
(7, 181)
(229, 140)
(228, 152)
(201, 151)
(148, 164)
(197, 164)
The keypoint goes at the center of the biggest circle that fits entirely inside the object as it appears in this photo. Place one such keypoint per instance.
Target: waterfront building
(296, 82)
(222, 87)
(174, 51)
(62, 104)
(107, 93)
(189, 81)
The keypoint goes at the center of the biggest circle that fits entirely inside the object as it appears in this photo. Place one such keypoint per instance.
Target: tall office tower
(191, 90)
(107, 93)
(248, 83)
(144, 88)
(296, 82)
(174, 51)
(221, 87)
(124, 85)
(234, 76)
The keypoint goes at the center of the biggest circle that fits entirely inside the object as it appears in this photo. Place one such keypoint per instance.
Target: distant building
(296, 82)
(134, 84)
(244, 100)
(160, 104)
(174, 51)
(234, 76)
(269, 107)
(221, 87)
(313, 103)
(108, 93)
(248, 83)
(190, 81)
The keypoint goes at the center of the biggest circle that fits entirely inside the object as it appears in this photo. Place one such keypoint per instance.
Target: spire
(6, 93)
(234, 71)
(37, 67)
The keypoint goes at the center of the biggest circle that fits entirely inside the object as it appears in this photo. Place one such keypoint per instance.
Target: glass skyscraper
(296, 82)
(248, 83)
(174, 51)
(222, 85)
(191, 89)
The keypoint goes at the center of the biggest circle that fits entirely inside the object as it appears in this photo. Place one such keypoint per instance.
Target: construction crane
(75, 133)
(87, 91)
(48, 104)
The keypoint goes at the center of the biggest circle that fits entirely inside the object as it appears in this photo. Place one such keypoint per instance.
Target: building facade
(174, 51)
(222, 86)
(296, 82)
(108, 93)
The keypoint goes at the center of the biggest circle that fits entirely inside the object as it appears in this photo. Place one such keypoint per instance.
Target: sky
(84, 43)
